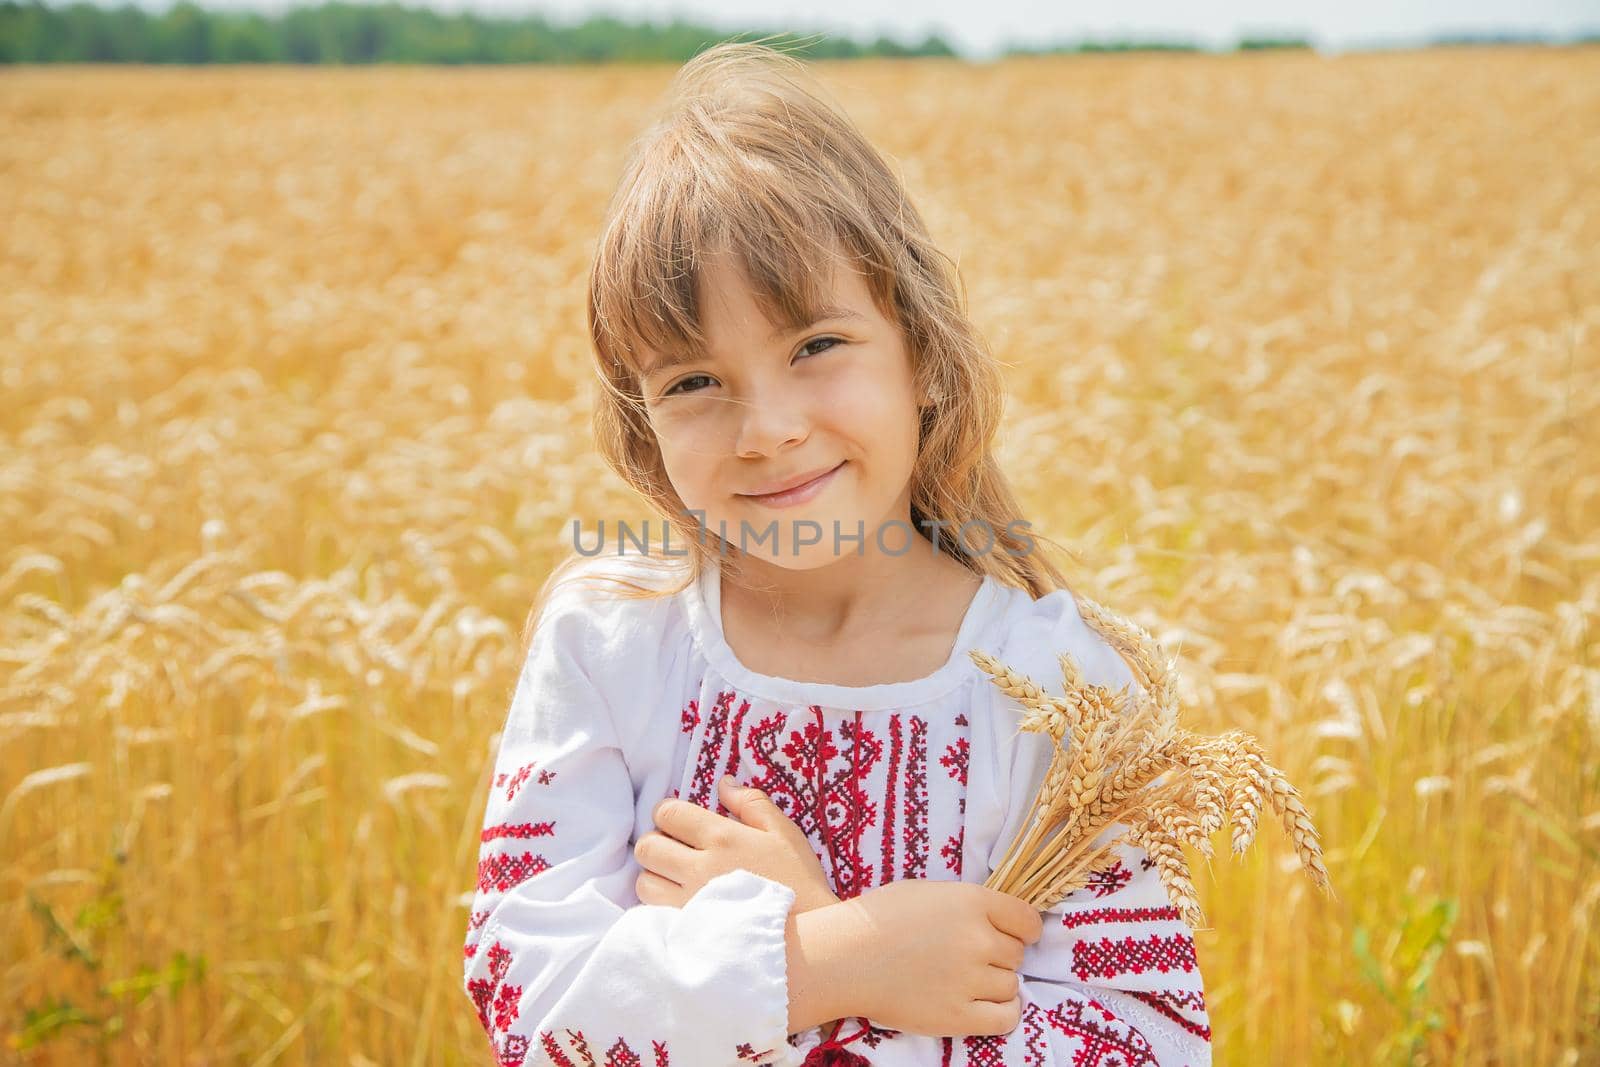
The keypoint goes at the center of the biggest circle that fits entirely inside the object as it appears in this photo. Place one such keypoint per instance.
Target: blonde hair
(749, 157)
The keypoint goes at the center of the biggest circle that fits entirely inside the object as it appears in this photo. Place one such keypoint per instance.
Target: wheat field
(1304, 354)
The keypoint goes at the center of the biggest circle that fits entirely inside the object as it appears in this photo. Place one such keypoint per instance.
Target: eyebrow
(825, 314)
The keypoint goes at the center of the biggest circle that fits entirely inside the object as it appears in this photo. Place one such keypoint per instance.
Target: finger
(752, 806)
(666, 856)
(1011, 953)
(1015, 916)
(651, 888)
(741, 800)
(683, 820)
(993, 1019)
(998, 985)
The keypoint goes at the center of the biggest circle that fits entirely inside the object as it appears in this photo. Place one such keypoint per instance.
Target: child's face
(760, 407)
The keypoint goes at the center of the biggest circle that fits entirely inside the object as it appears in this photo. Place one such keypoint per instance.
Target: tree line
(348, 33)
(340, 32)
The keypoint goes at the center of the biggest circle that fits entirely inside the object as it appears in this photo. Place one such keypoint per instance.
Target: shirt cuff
(753, 911)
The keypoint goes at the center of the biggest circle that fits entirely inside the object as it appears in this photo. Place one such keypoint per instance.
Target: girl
(751, 782)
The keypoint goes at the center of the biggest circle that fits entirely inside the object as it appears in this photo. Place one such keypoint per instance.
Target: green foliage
(1092, 46)
(1259, 44)
(340, 32)
(350, 33)
(82, 945)
(1401, 969)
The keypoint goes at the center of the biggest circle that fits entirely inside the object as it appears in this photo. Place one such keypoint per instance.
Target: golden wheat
(1110, 750)
(1301, 352)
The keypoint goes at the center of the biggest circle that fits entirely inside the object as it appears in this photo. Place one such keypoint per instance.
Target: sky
(981, 29)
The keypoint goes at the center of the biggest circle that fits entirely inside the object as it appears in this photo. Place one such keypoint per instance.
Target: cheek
(876, 409)
(689, 474)
(686, 471)
(866, 396)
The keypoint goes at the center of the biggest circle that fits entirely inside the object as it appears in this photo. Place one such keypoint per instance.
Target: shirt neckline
(703, 603)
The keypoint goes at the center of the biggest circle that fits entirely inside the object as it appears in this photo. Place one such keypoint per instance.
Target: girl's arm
(562, 963)
(825, 965)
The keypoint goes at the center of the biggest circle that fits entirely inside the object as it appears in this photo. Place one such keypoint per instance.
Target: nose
(769, 423)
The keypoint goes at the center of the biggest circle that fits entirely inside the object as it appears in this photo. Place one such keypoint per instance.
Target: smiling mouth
(798, 494)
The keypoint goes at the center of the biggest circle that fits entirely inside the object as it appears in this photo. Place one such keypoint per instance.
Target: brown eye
(677, 385)
(832, 341)
(677, 388)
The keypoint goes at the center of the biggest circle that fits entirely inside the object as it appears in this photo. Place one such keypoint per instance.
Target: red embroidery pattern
(620, 1054)
(914, 864)
(873, 1036)
(828, 805)
(505, 1005)
(733, 752)
(1106, 958)
(818, 774)
(556, 1054)
(1033, 1034)
(1104, 883)
(955, 760)
(474, 932)
(520, 829)
(750, 1055)
(985, 1050)
(1107, 1041)
(705, 771)
(502, 870)
(1119, 915)
(495, 1000)
(855, 809)
(498, 1005)
(1172, 1004)
(512, 1051)
(763, 743)
(893, 780)
(838, 778)
(1103, 1039)
(514, 781)
(952, 851)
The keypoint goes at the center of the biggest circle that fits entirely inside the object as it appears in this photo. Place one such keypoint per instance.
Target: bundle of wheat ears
(1122, 759)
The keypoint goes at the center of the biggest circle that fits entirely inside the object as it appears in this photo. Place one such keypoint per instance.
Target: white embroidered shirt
(623, 702)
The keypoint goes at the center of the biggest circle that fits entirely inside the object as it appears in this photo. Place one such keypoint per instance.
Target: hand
(945, 957)
(694, 845)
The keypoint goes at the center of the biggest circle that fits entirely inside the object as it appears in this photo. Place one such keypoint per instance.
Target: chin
(809, 556)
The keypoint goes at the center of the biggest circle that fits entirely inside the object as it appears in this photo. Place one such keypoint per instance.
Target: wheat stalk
(1120, 758)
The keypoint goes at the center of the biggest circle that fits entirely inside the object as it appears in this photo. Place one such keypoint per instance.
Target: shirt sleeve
(1117, 963)
(1116, 967)
(563, 964)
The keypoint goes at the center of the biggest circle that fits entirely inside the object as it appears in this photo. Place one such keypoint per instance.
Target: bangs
(690, 200)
